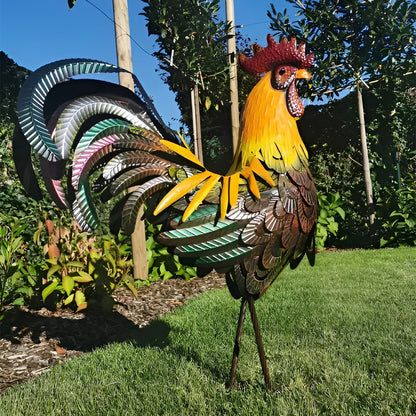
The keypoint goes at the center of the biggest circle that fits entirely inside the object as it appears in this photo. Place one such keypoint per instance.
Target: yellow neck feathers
(269, 132)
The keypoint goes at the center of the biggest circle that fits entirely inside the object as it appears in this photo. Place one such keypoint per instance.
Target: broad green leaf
(17, 243)
(69, 299)
(94, 255)
(164, 251)
(75, 264)
(52, 270)
(323, 213)
(82, 277)
(19, 302)
(49, 289)
(79, 297)
(341, 212)
(167, 275)
(207, 103)
(91, 267)
(68, 284)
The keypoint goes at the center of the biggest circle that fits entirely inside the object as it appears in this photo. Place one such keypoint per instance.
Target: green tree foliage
(368, 40)
(192, 50)
(11, 79)
(372, 43)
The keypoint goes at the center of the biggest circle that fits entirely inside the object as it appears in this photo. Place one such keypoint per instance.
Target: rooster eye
(282, 71)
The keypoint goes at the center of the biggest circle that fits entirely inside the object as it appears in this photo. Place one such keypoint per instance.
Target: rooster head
(287, 62)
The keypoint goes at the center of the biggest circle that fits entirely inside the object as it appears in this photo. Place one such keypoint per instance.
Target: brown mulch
(31, 341)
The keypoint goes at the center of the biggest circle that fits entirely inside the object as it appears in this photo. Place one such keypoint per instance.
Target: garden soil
(32, 341)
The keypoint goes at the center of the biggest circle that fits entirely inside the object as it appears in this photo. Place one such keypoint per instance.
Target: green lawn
(340, 340)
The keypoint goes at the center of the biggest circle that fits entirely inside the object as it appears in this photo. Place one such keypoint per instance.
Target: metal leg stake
(237, 342)
(259, 342)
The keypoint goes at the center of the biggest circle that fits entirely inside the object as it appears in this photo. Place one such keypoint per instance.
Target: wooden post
(366, 164)
(196, 123)
(123, 46)
(232, 51)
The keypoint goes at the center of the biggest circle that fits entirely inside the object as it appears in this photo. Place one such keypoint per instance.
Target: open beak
(303, 74)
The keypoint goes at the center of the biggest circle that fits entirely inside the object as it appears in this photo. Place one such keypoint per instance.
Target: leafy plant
(85, 270)
(400, 226)
(330, 206)
(17, 279)
(161, 263)
(359, 43)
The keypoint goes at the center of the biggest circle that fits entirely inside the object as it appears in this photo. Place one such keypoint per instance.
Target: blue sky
(36, 32)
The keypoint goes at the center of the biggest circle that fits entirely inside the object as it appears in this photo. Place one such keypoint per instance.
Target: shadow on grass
(81, 334)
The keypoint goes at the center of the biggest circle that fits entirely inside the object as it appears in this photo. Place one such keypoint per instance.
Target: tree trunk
(366, 164)
(123, 46)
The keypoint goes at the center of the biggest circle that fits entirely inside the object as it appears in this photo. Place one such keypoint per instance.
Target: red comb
(275, 53)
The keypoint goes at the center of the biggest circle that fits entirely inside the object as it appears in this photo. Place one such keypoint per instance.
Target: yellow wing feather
(180, 190)
(224, 196)
(182, 151)
(234, 184)
(200, 195)
(230, 183)
(248, 175)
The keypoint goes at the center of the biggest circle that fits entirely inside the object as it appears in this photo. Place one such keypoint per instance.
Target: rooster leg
(237, 342)
(259, 342)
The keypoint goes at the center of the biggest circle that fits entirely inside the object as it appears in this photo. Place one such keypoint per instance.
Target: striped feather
(86, 210)
(81, 109)
(131, 159)
(223, 259)
(209, 247)
(197, 234)
(254, 232)
(130, 141)
(32, 96)
(200, 216)
(134, 176)
(87, 159)
(101, 129)
(136, 199)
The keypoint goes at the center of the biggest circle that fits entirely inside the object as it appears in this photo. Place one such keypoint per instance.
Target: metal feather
(81, 109)
(197, 234)
(209, 247)
(135, 201)
(135, 176)
(99, 130)
(86, 213)
(89, 157)
(32, 97)
(131, 159)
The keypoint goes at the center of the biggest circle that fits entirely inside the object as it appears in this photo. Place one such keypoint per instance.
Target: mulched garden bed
(31, 341)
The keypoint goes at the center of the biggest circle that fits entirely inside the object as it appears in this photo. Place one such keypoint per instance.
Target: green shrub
(399, 228)
(162, 264)
(330, 206)
(18, 278)
(84, 270)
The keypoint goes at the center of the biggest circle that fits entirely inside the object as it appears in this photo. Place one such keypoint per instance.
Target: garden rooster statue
(248, 224)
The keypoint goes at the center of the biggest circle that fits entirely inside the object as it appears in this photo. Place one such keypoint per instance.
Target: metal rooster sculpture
(248, 224)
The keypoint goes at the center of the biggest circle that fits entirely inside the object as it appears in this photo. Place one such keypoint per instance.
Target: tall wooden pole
(123, 46)
(196, 123)
(232, 51)
(366, 164)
